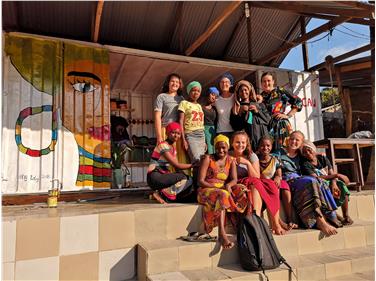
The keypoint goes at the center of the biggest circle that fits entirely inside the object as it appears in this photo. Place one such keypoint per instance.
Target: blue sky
(344, 38)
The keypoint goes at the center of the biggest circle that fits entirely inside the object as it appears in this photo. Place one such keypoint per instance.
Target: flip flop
(199, 237)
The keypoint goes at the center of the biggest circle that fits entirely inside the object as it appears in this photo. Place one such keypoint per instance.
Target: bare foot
(284, 225)
(326, 228)
(347, 221)
(226, 243)
(278, 230)
(158, 197)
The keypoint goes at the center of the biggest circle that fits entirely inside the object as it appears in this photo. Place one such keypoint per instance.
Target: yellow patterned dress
(216, 199)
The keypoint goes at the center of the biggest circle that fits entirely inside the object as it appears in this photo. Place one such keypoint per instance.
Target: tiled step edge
(174, 255)
(331, 265)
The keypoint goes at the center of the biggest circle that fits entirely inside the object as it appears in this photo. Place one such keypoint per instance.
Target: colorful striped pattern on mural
(29, 111)
(93, 171)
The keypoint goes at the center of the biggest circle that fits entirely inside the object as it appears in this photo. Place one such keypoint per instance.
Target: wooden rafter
(97, 24)
(357, 4)
(306, 8)
(326, 17)
(345, 56)
(289, 45)
(213, 27)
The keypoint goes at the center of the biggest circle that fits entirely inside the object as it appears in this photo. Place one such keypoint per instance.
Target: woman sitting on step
(168, 185)
(218, 190)
(319, 166)
(312, 204)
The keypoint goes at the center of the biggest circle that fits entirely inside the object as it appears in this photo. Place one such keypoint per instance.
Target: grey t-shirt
(224, 106)
(168, 105)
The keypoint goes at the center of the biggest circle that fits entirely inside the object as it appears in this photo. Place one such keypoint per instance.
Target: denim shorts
(196, 143)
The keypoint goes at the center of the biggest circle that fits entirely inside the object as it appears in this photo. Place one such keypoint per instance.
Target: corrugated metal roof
(151, 25)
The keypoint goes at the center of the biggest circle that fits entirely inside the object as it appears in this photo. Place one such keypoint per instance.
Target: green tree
(329, 96)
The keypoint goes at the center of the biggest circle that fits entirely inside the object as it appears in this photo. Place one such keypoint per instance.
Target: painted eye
(83, 87)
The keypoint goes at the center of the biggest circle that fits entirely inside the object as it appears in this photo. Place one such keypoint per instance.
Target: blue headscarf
(213, 90)
(228, 76)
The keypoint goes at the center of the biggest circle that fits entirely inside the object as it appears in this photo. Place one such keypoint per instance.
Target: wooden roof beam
(326, 17)
(213, 27)
(357, 4)
(98, 16)
(345, 56)
(306, 8)
(313, 33)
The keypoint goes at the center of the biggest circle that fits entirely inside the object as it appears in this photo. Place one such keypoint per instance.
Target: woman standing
(166, 111)
(210, 118)
(224, 104)
(249, 115)
(276, 100)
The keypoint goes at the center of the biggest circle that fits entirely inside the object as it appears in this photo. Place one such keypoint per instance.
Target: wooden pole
(306, 7)
(247, 12)
(98, 16)
(289, 45)
(304, 44)
(213, 27)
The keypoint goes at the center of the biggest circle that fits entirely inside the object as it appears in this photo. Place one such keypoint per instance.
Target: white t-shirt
(224, 106)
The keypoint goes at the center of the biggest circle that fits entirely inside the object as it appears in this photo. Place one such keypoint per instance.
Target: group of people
(235, 151)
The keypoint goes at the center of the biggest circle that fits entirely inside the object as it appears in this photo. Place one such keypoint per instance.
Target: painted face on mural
(84, 106)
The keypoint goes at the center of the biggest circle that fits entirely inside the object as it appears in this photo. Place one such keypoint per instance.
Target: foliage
(329, 96)
(118, 152)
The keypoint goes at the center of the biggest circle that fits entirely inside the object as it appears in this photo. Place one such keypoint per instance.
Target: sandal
(198, 237)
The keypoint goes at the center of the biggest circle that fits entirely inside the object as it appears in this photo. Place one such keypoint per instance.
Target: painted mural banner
(56, 116)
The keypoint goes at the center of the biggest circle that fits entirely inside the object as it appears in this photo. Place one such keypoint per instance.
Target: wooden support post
(304, 44)
(247, 11)
(213, 27)
(344, 96)
(98, 15)
(289, 45)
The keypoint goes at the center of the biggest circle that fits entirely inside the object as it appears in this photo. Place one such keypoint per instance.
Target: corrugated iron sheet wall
(55, 116)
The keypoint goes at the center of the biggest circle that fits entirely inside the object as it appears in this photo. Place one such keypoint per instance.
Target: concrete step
(331, 265)
(159, 222)
(369, 275)
(176, 255)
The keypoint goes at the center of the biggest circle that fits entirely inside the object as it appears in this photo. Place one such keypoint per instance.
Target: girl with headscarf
(249, 115)
(191, 118)
(319, 166)
(218, 190)
(224, 104)
(210, 118)
(276, 100)
(167, 185)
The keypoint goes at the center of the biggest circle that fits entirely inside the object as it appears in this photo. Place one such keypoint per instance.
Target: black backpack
(256, 246)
